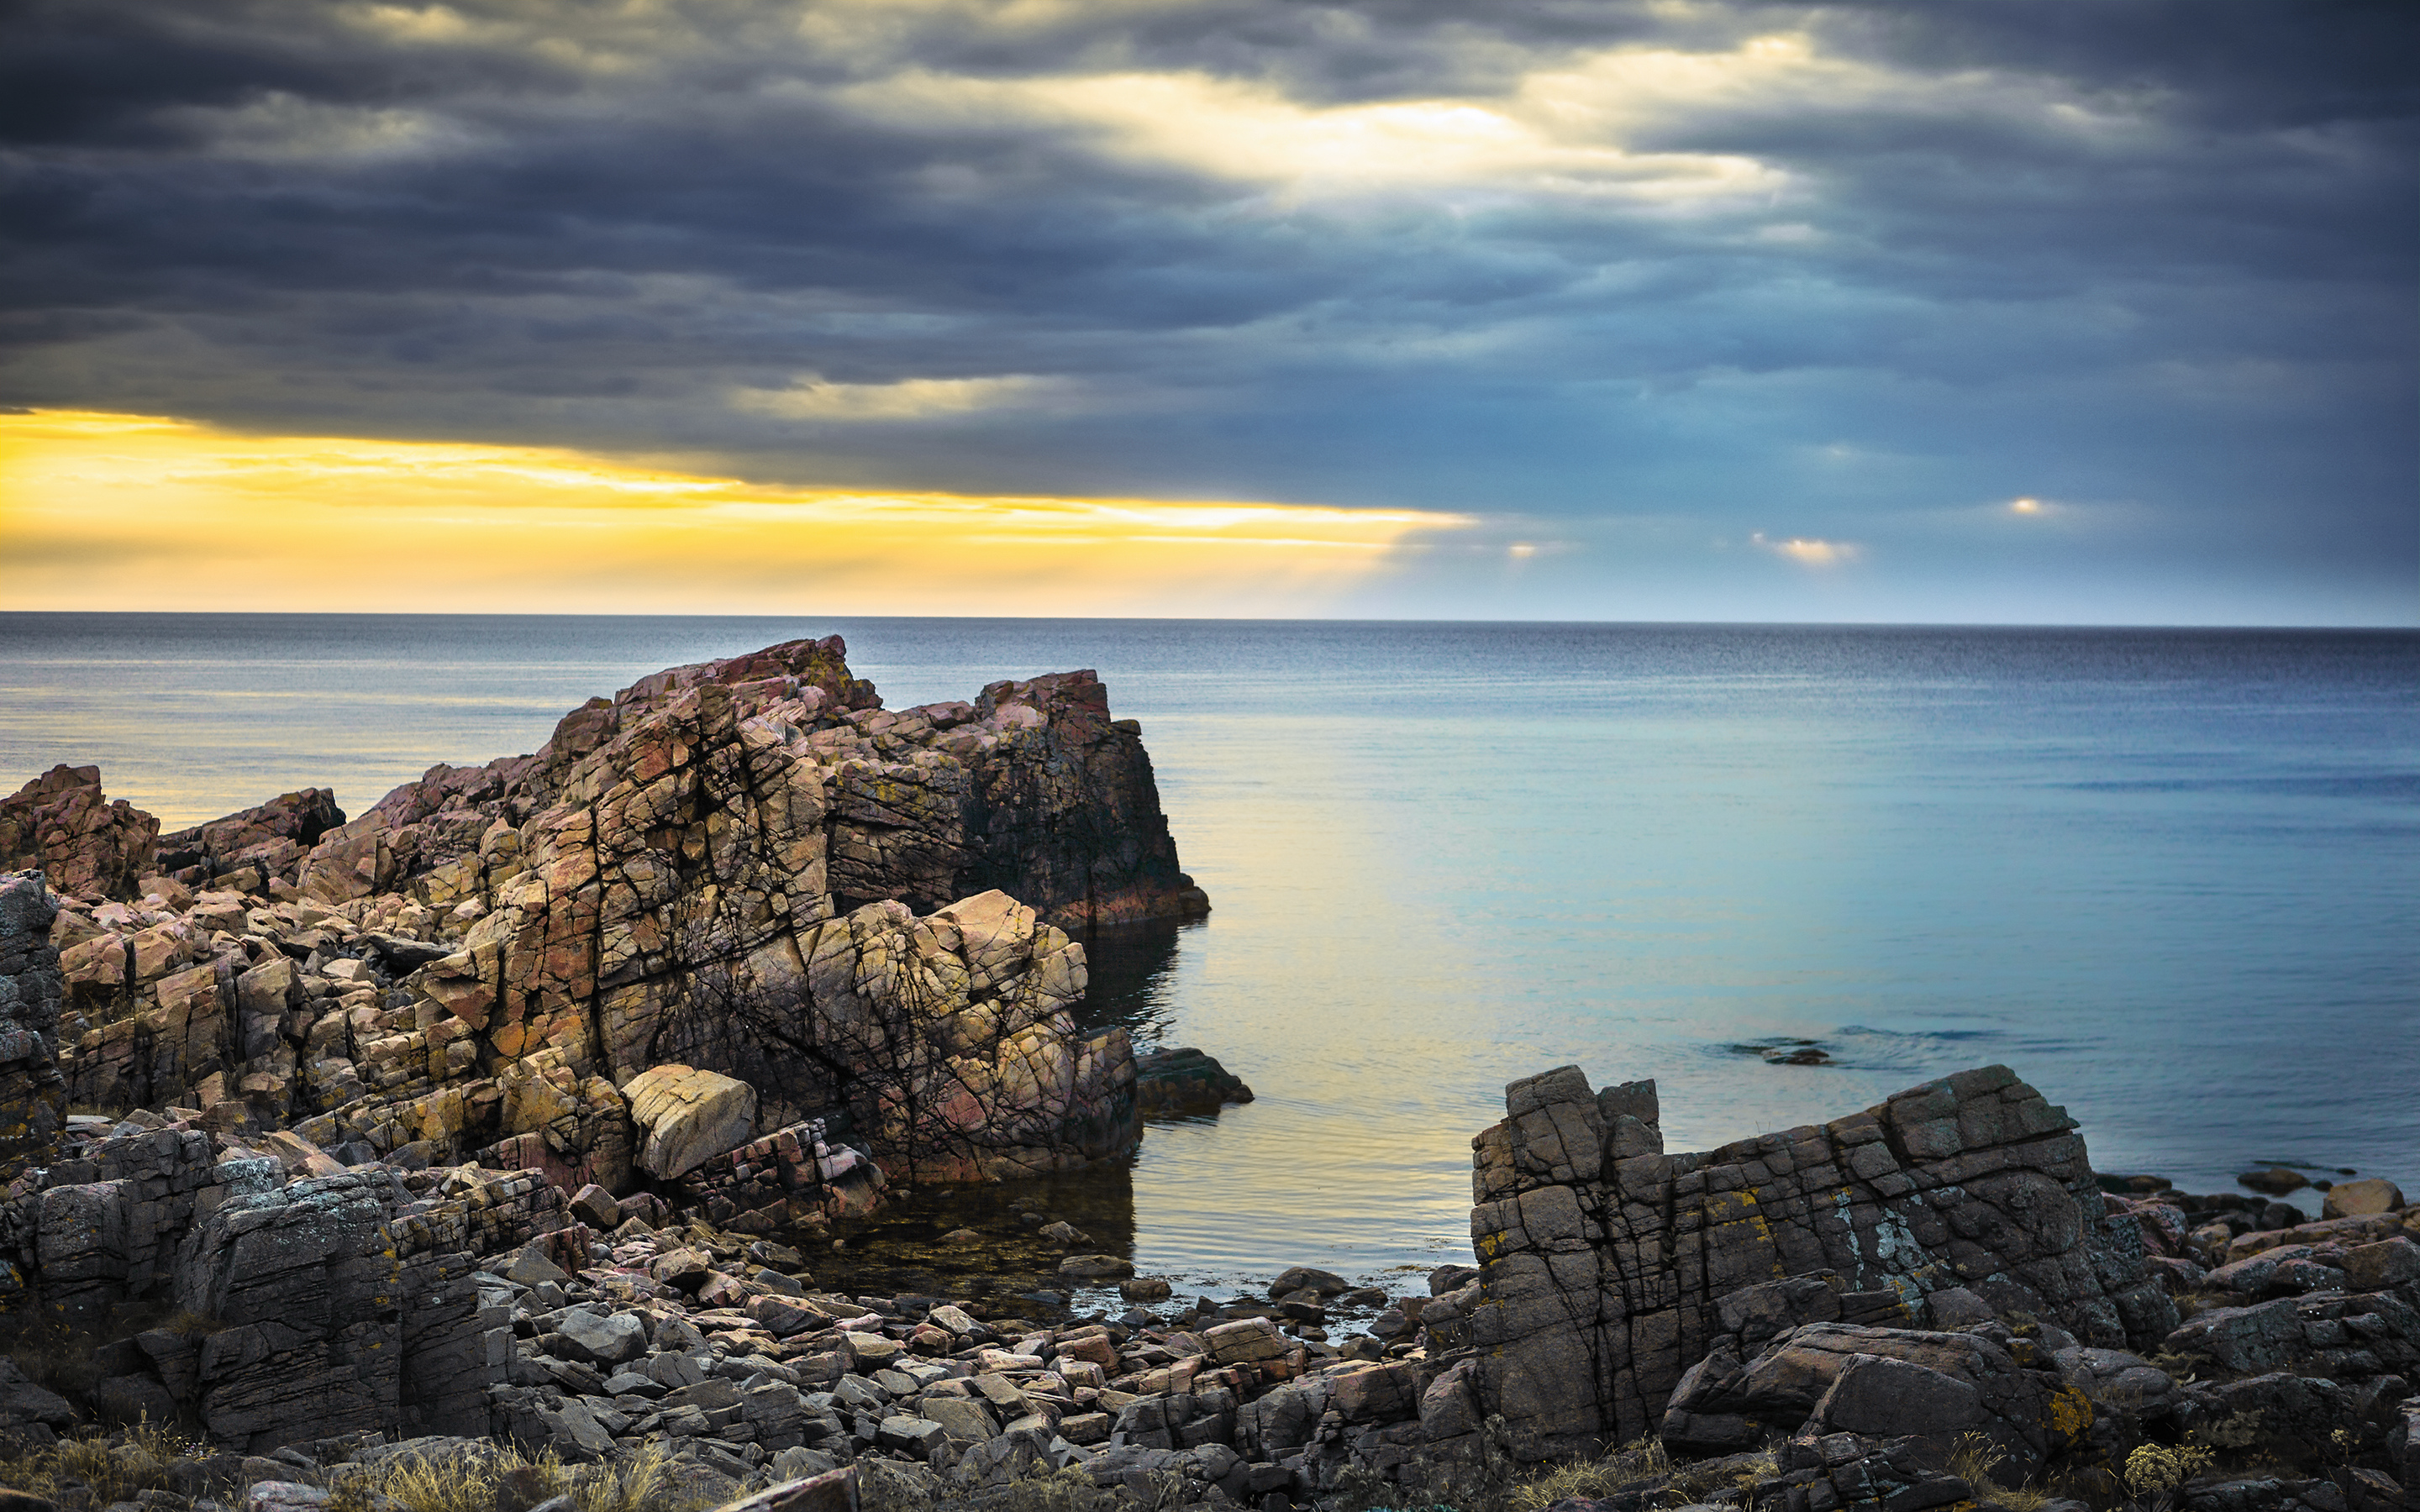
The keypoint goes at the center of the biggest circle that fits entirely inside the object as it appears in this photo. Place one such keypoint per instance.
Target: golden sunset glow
(105, 510)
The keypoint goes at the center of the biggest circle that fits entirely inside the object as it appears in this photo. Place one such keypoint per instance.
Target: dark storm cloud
(1905, 260)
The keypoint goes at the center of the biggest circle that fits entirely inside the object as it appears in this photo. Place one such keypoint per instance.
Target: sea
(2172, 877)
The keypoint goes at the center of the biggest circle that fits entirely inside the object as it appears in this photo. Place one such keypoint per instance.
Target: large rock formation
(743, 867)
(311, 1304)
(62, 824)
(1608, 1261)
(1031, 788)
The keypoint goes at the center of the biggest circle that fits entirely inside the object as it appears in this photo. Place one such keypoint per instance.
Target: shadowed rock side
(1609, 1264)
(33, 1095)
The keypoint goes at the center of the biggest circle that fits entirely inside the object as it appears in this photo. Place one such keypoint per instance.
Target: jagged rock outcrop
(246, 850)
(1031, 788)
(63, 826)
(1607, 1260)
(714, 869)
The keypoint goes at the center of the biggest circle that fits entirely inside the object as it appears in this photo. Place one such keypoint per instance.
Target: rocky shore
(484, 1153)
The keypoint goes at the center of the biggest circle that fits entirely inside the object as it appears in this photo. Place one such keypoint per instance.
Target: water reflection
(1133, 971)
(902, 1249)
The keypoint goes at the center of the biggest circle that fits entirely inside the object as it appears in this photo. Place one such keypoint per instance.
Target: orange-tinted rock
(62, 824)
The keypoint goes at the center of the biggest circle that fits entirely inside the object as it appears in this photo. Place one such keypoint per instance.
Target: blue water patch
(2167, 876)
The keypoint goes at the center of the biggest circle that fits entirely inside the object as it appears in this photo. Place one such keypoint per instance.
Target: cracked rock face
(1608, 1262)
(743, 867)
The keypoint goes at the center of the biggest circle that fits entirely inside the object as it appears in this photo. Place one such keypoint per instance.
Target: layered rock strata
(1606, 1260)
(33, 1094)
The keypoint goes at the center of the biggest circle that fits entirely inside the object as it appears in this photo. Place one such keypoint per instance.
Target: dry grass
(1972, 1458)
(479, 1482)
(642, 1483)
(115, 1466)
(1632, 1464)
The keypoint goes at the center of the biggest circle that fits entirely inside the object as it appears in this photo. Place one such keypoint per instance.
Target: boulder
(1881, 1382)
(23, 1401)
(2362, 1199)
(1185, 1082)
(602, 1340)
(685, 1116)
(1608, 1263)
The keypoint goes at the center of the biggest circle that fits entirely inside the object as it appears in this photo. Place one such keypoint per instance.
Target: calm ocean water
(2170, 876)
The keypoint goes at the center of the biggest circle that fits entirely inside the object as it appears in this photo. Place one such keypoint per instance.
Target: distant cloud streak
(103, 510)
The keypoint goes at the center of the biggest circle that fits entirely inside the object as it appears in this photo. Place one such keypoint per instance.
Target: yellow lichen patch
(2071, 1413)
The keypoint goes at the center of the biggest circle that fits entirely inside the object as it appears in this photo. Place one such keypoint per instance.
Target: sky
(2011, 311)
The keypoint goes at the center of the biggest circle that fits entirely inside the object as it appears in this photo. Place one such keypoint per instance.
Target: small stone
(532, 1267)
(596, 1208)
(1094, 1267)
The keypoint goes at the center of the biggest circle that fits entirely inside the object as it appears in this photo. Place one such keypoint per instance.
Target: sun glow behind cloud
(1806, 552)
(103, 511)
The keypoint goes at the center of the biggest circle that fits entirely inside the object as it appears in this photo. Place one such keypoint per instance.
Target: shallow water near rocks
(2169, 876)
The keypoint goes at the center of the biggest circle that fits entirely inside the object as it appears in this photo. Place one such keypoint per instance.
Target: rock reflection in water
(1132, 969)
(902, 1250)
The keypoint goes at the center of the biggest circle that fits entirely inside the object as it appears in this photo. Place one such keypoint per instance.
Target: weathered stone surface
(686, 1115)
(1608, 1261)
(334, 1320)
(61, 825)
(2323, 1332)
